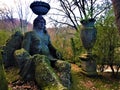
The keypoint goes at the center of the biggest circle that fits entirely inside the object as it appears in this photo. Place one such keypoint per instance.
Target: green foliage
(68, 42)
(4, 35)
(108, 40)
(3, 85)
(76, 82)
(77, 48)
(104, 82)
(61, 41)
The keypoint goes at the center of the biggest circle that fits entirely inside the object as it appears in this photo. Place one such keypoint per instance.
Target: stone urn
(40, 8)
(88, 37)
(88, 34)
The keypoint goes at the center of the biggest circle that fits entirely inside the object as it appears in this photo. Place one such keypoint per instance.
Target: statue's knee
(62, 65)
(21, 56)
(40, 59)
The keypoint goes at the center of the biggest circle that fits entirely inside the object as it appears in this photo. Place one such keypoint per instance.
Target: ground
(79, 81)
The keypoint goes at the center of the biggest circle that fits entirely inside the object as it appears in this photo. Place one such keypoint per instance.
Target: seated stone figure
(39, 60)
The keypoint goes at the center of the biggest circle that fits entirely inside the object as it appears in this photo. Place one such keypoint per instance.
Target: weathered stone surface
(63, 69)
(37, 58)
(25, 63)
(88, 65)
(21, 57)
(12, 44)
(45, 75)
(38, 67)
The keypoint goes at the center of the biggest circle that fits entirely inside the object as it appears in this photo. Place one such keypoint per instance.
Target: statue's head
(39, 23)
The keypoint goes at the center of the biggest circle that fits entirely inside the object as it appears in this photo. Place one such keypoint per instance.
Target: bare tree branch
(63, 23)
(85, 9)
(102, 10)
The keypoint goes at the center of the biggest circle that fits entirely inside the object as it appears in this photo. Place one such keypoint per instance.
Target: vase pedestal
(88, 65)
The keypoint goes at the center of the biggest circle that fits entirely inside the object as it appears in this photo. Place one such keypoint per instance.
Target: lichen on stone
(45, 75)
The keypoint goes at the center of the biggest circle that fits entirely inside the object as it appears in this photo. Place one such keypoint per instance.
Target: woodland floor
(79, 81)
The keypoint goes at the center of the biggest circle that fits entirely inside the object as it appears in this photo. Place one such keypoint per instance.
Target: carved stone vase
(88, 37)
(88, 34)
(40, 8)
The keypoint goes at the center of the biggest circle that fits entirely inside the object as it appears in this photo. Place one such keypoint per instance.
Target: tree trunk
(113, 72)
(116, 7)
(117, 70)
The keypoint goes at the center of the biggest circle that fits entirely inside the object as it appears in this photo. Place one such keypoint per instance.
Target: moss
(62, 65)
(44, 74)
(12, 44)
(12, 74)
(58, 87)
(21, 53)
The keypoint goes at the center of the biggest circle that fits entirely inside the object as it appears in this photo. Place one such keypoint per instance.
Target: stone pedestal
(88, 65)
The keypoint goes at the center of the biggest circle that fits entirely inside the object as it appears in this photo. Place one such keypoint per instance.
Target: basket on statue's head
(40, 8)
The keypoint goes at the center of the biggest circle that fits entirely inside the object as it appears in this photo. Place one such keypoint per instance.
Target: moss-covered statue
(37, 59)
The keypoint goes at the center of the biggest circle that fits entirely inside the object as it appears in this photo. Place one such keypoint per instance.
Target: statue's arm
(26, 41)
(53, 51)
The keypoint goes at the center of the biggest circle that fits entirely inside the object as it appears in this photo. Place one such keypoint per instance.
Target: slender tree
(6, 14)
(23, 11)
(108, 43)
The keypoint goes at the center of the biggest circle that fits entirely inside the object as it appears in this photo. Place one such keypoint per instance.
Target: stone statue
(36, 46)
(35, 55)
(38, 40)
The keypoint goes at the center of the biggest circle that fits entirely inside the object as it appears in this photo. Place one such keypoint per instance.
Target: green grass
(79, 81)
(101, 82)
(76, 82)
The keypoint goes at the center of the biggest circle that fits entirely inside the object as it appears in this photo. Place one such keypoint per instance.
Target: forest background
(67, 39)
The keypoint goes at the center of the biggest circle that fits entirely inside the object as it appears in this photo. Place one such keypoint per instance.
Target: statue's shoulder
(29, 33)
(15, 37)
(13, 43)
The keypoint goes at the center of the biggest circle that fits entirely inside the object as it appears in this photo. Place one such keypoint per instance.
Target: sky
(12, 4)
(31, 16)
